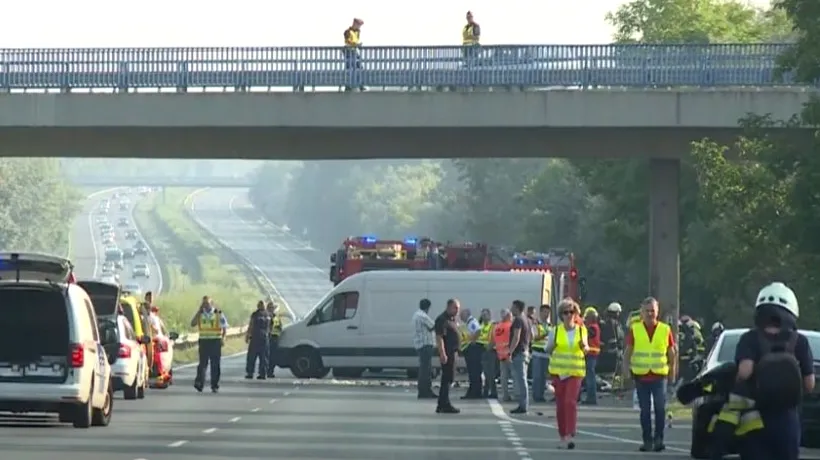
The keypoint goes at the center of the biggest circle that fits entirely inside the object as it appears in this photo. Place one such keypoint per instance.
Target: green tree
(36, 205)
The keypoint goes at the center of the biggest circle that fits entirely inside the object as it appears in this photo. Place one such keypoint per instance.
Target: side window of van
(92, 322)
(129, 331)
(342, 306)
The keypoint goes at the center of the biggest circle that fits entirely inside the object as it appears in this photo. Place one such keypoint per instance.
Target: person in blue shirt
(212, 326)
(473, 353)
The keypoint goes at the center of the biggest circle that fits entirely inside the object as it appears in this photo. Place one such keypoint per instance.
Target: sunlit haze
(97, 23)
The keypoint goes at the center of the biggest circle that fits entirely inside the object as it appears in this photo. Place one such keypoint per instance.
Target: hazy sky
(98, 23)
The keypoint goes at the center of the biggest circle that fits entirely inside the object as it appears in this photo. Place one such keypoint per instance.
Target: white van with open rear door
(125, 350)
(51, 356)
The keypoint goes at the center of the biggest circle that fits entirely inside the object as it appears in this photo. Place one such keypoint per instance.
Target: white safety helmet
(718, 326)
(779, 295)
(614, 307)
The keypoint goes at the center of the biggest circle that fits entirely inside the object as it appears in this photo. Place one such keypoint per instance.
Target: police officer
(353, 43)
(257, 338)
(472, 352)
(488, 358)
(470, 38)
(276, 327)
(776, 314)
(212, 326)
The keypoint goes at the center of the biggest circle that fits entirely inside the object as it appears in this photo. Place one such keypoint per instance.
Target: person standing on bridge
(212, 326)
(470, 38)
(257, 337)
(353, 45)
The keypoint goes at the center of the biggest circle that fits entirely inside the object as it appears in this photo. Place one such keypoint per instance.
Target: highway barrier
(187, 341)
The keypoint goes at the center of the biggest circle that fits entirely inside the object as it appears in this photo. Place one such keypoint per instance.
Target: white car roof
(734, 335)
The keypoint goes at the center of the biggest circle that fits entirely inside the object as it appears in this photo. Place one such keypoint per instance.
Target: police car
(51, 357)
(705, 407)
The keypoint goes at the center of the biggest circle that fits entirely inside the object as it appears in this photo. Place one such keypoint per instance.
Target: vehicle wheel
(307, 364)
(84, 412)
(102, 416)
(130, 392)
(699, 447)
(142, 388)
(170, 377)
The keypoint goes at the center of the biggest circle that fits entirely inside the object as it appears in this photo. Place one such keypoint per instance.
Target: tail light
(125, 352)
(77, 355)
(573, 274)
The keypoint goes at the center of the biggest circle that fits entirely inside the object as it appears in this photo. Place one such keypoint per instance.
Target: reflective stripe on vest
(501, 339)
(540, 345)
(352, 37)
(650, 355)
(463, 337)
(568, 358)
(276, 326)
(484, 334)
(210, 328)
(467, 37)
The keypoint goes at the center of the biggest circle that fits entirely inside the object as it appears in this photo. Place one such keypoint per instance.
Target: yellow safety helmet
(590, 309)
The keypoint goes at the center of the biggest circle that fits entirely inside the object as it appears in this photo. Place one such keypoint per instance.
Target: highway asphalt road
(87, 245)
(278, 256)
(261, 420)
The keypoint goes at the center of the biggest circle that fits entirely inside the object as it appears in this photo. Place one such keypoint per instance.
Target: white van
(365, 322)
(51, 358)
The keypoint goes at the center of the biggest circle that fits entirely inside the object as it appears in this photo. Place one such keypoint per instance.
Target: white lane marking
(512, 437)
(498, 410)
(235, 419)
(287, 393)
(209, 430)
(152, 258)
(255, 409)
(181, 442)
(272, 401)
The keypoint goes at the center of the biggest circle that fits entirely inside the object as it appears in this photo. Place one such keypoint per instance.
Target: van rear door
(104, 296)
(34, 267)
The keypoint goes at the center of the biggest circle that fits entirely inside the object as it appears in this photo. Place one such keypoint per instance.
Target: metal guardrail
(190, 340)
(399, 67)
(159, 181)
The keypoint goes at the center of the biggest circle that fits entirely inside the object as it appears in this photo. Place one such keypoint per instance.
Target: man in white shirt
(424, 343)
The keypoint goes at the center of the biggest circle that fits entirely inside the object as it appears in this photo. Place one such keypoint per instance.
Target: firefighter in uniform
(353, 44)
(470, 38)
(488, 357)
(276, 327)
(593, 325)
(212, 326)
(257, 337)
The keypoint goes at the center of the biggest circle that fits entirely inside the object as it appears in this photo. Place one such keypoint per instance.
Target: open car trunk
(34, 267)
(105, 297)
(35, 343)
(110, 338)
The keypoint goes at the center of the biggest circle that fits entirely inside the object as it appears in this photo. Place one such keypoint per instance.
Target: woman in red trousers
(567, 347)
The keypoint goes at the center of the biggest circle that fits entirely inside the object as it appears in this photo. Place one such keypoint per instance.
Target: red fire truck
(367, 253)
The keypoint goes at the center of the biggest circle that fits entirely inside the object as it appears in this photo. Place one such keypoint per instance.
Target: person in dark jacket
(257, 337)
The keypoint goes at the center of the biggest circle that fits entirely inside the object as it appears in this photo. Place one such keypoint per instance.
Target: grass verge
(232, 346)
(192, 263)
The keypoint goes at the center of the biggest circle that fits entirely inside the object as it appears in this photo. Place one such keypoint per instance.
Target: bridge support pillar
(664, 235)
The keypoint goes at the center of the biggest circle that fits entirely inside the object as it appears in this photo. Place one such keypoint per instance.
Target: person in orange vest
(501, 343)
(592, 322)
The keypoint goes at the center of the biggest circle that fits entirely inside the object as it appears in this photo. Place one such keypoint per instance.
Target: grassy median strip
(192, 264)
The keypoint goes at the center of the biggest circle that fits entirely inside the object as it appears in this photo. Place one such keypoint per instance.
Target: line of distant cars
(114, 257)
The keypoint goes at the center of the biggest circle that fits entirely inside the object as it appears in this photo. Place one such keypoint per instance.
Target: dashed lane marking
(509, 433)
(179, 443)
(209, 430)
(272, 401)
(235, 419)
(498, 411)
(255, 409)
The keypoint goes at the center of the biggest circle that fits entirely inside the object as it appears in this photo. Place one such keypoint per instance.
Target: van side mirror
(173, 335)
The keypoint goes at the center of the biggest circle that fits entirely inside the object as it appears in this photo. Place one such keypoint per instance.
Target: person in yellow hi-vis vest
(567, 347)
(473, 352)
(539, 363)
(650, 359)
(470, 39)
(212, 326)
(278, 314)
(353, 45)
(488, 357)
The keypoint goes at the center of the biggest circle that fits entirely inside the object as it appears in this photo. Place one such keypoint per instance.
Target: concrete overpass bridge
(646, 101)
(159, 181)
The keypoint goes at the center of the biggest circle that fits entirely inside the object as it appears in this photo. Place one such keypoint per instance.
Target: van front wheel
(307, 364)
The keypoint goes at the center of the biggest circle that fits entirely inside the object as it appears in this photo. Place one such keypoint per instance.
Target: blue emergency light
(410, 241)
(369, 239)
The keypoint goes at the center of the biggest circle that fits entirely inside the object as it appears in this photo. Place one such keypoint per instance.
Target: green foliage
(36, 205)
(750, 211)
(193, 265)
